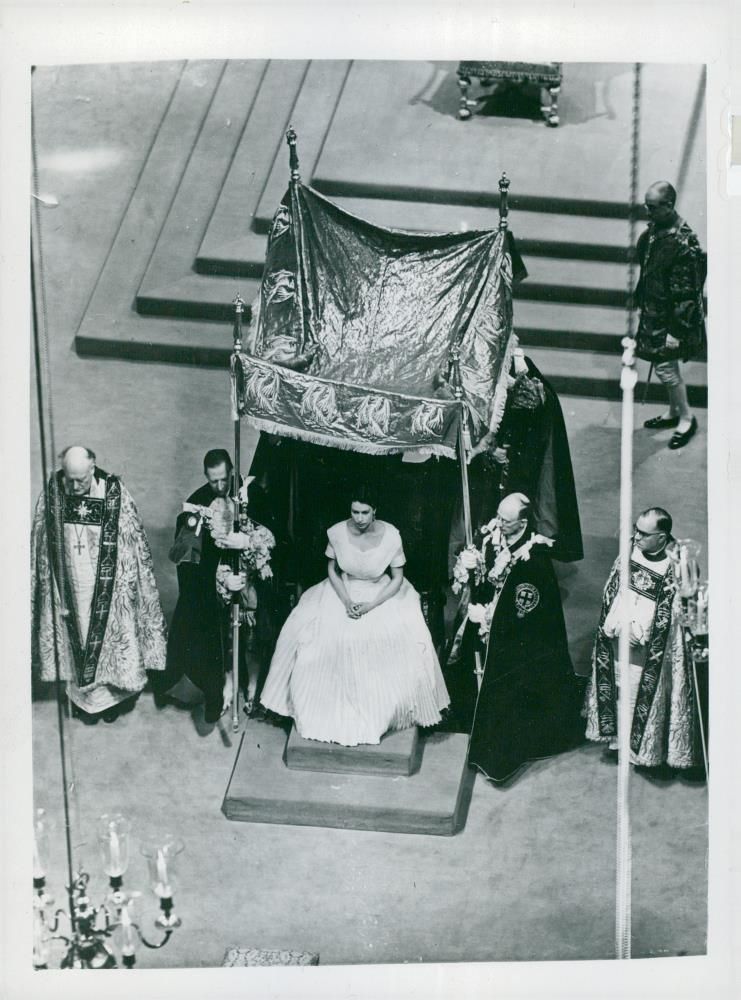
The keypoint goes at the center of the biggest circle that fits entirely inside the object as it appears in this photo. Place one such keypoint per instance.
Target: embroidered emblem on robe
(527, 598)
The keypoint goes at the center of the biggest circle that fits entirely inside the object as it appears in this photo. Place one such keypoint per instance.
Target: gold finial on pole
(238, 303)
(293, 154)
(503, 201)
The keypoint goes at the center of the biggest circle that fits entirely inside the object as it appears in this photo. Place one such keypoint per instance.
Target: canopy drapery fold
(376, 339)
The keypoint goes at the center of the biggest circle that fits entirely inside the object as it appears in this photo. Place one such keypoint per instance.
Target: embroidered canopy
(373, 339)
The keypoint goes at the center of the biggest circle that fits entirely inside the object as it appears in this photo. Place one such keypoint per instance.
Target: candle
(683, 568)
(38, 867)
(128, 942)
(115, 853)
(162, 888)
(40, 950)
(701, 625)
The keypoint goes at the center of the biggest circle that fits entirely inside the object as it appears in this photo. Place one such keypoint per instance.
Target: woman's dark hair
(364, 493)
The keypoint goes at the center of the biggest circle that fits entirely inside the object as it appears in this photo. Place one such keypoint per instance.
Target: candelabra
(115, 918)
(692, 596)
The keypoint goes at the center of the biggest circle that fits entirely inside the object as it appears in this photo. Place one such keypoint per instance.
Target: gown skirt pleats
(350, 681)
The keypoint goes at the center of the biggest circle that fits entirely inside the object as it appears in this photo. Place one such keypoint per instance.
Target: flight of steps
(382, 141)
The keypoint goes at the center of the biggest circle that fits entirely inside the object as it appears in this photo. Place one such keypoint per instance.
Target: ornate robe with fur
(663, 728)
(126, 633)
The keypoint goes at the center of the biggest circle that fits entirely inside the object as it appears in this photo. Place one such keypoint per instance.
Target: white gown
(350, 681)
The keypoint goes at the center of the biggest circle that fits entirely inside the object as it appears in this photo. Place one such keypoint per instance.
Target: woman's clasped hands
(356, 611)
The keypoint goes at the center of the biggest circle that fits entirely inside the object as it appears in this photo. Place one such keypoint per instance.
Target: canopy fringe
(365, 447)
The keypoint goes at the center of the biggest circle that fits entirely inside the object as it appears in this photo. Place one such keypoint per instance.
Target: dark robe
(669, 293)
(529, 705)
(538, 464)
(199, 639)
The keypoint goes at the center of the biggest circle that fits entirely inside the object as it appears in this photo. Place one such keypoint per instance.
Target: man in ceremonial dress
(88, 544)
(664, 711)
(672, 323)
(529, 702)
(198, 646)
(528, 454)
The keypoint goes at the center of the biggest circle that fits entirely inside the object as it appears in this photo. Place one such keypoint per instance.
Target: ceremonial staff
(628, 379)
(235, 556)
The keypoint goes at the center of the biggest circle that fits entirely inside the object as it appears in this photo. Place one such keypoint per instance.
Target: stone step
(579, 372)
(263, 136)
(538, 234)
(311, 117)
(412, 147)
(198, 297)
(571, 306)
(163, 340)
(586, 235)
(571, 327)
(397, 753)
(194, 199)
(109, 311)
(433, 801)
(589, 373)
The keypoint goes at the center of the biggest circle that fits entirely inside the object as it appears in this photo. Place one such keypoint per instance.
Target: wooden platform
(433, 801)
(397, 753)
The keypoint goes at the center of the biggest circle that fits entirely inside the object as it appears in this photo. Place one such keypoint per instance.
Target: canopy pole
(628, 379)
(295, 217)
(236, 596)
(464, 456)
(464, 439)
(504, 183)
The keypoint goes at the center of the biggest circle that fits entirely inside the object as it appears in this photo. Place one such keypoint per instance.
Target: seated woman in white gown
(355, 658)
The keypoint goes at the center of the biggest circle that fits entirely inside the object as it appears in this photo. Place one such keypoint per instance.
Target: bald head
(664, 191)
(513, 513)
(78, 465)
(659, 201)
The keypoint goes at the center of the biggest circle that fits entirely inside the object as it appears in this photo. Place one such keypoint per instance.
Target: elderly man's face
(658, 209)
(78, 476)
(510, 518)
(218, 479)
(647, 536)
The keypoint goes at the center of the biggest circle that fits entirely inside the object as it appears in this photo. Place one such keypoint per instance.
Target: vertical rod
(43, 392)
(628, 380)
(463, 460)
(238, 310)
(464, 439)
(624, 866)
(295, 217)
(504, 183)
(464, 452)
(44, 398)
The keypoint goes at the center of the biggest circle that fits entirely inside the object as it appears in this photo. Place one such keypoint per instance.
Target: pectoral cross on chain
(79, 544)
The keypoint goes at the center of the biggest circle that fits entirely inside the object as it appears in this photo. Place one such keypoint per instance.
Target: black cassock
(539, 465)
(529, 705)
(198, 645)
